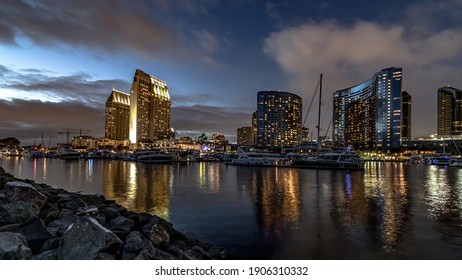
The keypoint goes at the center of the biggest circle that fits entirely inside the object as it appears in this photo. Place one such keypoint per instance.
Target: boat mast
(319, 117)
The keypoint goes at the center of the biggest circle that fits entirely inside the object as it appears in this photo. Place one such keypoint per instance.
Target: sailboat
(343, 159)
(440, 159)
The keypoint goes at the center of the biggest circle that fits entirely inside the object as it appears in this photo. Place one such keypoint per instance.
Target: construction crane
(72, 130)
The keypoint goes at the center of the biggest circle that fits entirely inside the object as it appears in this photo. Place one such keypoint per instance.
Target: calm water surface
(388, 211)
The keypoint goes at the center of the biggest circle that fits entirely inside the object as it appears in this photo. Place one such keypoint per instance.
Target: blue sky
(61, 59)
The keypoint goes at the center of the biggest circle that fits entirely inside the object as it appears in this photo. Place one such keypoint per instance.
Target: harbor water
(387, 211)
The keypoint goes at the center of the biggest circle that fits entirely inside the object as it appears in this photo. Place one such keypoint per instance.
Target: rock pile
(44, 223)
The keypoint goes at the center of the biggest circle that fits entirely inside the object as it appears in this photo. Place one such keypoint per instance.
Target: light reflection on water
(389, 211)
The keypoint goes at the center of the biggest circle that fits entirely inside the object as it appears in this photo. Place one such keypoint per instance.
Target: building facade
(449, 112)
(245, 136)
(279, 118)
(117, 116)
(406, 122)
(149, 110)
(369, 115)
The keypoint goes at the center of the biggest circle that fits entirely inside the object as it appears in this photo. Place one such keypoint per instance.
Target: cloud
(111, 26)
(47, 86)
(349, 55)
(209, 119)
(28, 120)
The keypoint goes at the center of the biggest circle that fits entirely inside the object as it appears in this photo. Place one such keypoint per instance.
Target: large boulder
(86, 238)
(13, 246)
(35, 232)
(59, 226)
(22, 202)
(157, 234)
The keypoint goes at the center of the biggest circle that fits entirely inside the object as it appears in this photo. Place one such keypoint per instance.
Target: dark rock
(174, 251)
(35, 232)
(144, 219)
(49, 214)
(161, 255)
(58, 227)
(87, 210)
(121, 224)
(134, 217)
(144, 255)
(63, 212)
(133, 245)
(74, 204)
(111, 213)
(47, 255)
(94, 200)
(157, 234)
(86, 238)
(192, 255)
(204, 255)
(18, 191)
(22, 202)
(180, 244)
(50, 244)
(103, 256)
(13, 246)
(218, 252)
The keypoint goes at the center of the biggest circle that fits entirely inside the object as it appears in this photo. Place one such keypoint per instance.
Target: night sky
(60, 60)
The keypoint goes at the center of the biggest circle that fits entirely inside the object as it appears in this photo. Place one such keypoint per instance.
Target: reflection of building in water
(375, 202)
(139, 187)
(443, 192)
(209, 177)
(276, 193)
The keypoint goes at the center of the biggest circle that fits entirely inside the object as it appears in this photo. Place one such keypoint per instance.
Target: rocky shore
(40, 222)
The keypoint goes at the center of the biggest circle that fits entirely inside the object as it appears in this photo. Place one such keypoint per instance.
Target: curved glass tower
(369, 115)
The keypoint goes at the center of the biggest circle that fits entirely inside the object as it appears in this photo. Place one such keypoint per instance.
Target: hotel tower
(449, 113)
(149, 109)
(117, 116)
(369, 115)
(279, 118)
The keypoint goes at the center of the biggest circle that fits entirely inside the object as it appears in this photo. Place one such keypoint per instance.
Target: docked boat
(68, 154)
(340, 159)
(251, 158)
(344, 160)
(443, 159)
(36, 154)
(457, 162)
(153, 157)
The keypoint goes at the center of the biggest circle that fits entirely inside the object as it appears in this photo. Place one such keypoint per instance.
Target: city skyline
(60, 62)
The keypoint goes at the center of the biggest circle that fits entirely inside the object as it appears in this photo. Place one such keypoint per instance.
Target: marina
(387, 211)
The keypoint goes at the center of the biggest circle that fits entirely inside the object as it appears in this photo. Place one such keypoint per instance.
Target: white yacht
(153, 156)
(439, 160)
(259, 159)
(68, 154)
(331, 160)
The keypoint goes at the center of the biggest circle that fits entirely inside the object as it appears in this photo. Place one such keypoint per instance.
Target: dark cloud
(107, 25)
(29, 120)
(78, 87)
(209, 119)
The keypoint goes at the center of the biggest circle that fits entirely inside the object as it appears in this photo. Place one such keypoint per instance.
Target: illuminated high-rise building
(369, 115)
(279, 118)
(449, 113)
(149, 110)
(406, 104)
(117, 116)
(245, 136)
